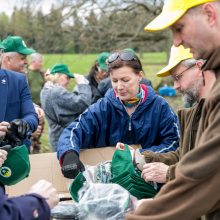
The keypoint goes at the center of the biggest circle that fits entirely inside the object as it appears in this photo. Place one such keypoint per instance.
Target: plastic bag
(104, 201)
(97, 202)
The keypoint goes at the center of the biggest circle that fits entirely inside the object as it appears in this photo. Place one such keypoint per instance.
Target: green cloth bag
(16, 167)
(125, 174)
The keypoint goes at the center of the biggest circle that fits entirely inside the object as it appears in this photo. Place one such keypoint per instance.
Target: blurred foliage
(85, 26)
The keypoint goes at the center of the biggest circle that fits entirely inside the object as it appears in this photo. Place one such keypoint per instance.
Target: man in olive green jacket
(195, 85)
(195, 190)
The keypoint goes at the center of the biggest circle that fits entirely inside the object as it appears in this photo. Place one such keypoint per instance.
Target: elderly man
(15, 59)
(195, 190)
(35, 76)
(16, 107)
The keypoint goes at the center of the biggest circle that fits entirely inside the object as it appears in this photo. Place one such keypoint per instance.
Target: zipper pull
(129, 126)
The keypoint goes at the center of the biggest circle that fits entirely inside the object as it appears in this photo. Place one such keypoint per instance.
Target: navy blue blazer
(26, 207)
(15, 99)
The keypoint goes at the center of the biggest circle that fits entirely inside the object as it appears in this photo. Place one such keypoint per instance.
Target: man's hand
(3, 129)
(121, 146)
(47, 191)
(80, 79)
(38, 132)
(18, 130)
(3, 156)
(155, 172)
(71, 165)
(40, 114)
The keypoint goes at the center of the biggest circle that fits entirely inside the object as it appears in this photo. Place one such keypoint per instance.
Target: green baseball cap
(16, 44)
(101, 59)
(61, 69)
(16, 167)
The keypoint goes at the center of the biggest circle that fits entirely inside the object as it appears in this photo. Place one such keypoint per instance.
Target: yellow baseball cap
(177, 55)
(172, 11)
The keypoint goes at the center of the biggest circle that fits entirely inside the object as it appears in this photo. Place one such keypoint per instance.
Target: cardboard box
(46, 166)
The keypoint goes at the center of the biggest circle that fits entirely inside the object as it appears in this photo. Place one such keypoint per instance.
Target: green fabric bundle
(123, 173)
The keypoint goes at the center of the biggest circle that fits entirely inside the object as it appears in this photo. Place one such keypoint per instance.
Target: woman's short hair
(134, 63)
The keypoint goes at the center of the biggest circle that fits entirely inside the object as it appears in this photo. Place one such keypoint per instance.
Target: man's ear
(210, 11)
(199, 64)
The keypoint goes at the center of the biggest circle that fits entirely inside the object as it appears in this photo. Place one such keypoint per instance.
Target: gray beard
(191, 95)
(189, 99)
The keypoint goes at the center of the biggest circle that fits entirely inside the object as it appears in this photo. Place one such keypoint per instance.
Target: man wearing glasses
(194, 85)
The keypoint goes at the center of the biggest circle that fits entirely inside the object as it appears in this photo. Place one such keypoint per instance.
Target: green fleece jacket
(195, 190)
(189, 122)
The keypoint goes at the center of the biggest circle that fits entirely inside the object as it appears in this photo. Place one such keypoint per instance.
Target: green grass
(77, 63)
(81, 63)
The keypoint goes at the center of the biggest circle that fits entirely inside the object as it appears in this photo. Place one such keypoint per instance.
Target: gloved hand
(72, 165)
(18, 130)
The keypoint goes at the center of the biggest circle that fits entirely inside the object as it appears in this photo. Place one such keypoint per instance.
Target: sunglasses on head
(124, 55)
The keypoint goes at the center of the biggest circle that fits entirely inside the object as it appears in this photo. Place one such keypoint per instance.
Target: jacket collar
(213, 62)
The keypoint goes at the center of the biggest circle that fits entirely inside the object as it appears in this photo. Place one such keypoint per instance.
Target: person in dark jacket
(97, 73)
(15, 59)
(130, 112)
(16, 105)
(36, 204)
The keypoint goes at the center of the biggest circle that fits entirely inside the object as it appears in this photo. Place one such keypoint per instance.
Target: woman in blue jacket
(130, 113)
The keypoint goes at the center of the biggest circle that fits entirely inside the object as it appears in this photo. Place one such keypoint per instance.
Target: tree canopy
(85, 26)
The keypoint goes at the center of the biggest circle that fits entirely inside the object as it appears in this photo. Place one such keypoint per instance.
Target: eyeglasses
(178, 76)
(124, 55)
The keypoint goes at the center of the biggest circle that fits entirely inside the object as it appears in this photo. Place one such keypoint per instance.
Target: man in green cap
(15, 54)
(15, 59)
(195, 190)
(18, 118)
(60, 105)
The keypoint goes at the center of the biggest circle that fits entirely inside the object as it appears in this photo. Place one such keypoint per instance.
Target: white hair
(191, 62)
(35, 56)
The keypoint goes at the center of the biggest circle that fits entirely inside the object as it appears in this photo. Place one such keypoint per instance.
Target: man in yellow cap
(195, 86)
(195, 190)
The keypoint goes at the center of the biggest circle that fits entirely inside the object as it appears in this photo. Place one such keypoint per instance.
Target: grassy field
(81, 63)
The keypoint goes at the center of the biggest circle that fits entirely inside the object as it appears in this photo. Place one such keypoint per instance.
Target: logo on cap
(5, 172)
